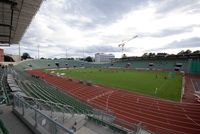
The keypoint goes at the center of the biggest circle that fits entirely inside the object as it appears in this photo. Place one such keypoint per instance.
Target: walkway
(12, 123)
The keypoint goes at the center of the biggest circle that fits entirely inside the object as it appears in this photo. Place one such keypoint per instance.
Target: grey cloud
(99, 49)
(171, 31)
(168, 6)
(185, 43)
(174, 31)
(100, 11)
(191, 42)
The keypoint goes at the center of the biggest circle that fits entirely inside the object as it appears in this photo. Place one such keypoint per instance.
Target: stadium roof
(15, 17)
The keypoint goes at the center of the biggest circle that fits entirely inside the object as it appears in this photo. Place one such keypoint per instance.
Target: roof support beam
(12, 5)
(3, 42)
(4, 25)
(11, 20)
(10, 2)
(2, 35)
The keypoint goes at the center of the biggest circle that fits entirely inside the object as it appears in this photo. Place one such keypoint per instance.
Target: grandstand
(61, 96)
(188, 65)
(46, 63)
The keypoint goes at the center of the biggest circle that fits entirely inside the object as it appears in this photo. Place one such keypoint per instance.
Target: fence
(37, 119)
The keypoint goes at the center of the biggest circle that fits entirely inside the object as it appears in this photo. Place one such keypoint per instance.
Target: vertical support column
(22, 108)
(14, 102)
(35, 118)
(54, 127)
(19, 53)
(11, 20)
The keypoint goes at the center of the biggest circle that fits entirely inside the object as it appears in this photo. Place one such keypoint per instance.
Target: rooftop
(16, 16)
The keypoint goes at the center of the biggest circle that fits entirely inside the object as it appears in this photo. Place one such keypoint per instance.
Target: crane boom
(124, 42)
(131, 39)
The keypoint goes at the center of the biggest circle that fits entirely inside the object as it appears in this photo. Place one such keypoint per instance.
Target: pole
(38, 51)
(123, 49)
(83, 52)
(19, 53)
(66, 53)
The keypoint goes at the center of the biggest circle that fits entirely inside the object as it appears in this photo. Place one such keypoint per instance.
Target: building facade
(101, 57)
(1, 55)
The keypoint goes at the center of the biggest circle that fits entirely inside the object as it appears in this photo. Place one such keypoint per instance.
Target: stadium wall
(195, 66)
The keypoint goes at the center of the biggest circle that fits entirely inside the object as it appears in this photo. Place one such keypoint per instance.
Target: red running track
(189, 89)
(159, 116)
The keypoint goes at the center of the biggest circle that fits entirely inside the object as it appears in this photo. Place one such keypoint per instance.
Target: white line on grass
(161, 86)
(156, 90)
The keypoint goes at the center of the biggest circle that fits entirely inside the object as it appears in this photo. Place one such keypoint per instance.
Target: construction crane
(125, 41)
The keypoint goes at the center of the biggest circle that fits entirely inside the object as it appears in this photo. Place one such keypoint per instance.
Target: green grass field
(166, 85)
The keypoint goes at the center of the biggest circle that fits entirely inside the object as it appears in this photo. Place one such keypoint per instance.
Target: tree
(145, 55)
(162, 54)
(152, 54)
(8, 58)
(196, 52)
(25, 56)
(188, 51)
(149, 55)
(181, 52)
(124, 56)
(88, 59)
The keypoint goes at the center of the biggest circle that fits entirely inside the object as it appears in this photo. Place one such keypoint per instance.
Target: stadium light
(38, 51)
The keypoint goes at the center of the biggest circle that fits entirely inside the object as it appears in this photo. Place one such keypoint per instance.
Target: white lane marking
(193, 85)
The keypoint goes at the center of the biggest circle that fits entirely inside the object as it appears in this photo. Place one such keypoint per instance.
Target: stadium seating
(39, 89)
(163, 64)
(4, 88)
(46, 63)
(157, 64)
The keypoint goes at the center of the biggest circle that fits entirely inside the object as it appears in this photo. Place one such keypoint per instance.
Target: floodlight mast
(66, 53)
(38, 51)
(124, 43)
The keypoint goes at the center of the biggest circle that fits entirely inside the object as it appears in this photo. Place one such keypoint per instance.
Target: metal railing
(38, 119)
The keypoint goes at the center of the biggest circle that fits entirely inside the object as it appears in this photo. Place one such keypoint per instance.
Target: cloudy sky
(77, 28)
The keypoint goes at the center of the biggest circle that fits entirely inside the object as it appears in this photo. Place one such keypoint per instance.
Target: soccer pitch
(166, 85)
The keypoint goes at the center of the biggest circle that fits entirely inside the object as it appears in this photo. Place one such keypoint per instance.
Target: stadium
(147, 94)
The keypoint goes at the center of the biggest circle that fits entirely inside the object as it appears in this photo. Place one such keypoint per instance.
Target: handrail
(38, 111)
